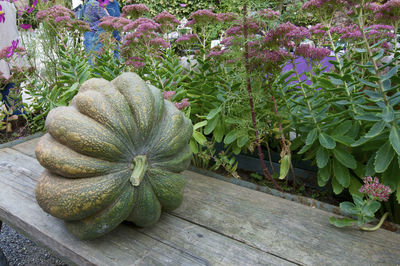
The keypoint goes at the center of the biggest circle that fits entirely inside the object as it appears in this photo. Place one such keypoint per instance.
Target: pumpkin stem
(139, 166)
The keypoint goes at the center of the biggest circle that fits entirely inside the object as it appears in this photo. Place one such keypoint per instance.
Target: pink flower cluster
(182, 104)
(202, 17)
(389, 12)
(269, 14)
(227, 17)
(312, 53)
(168, 95)
(187, 38)
(287, 35)
(326, 4)
(253, 27)
(60, 16)
(318, 30)
(374, 189)
(135, 10)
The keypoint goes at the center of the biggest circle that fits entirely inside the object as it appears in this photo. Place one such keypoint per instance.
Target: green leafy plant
(364, 207)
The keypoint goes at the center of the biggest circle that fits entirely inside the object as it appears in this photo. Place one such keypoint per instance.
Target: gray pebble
(21, 251)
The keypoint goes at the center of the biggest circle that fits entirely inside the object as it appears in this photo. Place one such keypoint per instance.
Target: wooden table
(219, 223)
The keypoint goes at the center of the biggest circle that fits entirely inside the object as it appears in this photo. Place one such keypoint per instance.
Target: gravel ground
(21, 251)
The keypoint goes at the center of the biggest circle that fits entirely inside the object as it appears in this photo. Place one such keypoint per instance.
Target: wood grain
(281, 227)
(172, 241)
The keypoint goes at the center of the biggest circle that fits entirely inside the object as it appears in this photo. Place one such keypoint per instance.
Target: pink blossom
(63, 18)
(159, 42)
(183, 104)
(270, 14)
(165, 17)
(187, 38)
(227, 17)
(318, 29)
(375, 190)
(287, 35)
(312, 53)
(183, 5)
(135, 10)
(169, 94)
(318, 4)
(204, 16)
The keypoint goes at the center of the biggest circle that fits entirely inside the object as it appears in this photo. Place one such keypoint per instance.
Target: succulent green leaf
(312, 136)
(322, 157)
(327, 141)
(341, 173)
(394, 139)
(342, 222)
(345, 158)
(384, 157)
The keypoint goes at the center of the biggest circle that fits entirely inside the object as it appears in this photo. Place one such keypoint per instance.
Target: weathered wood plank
(284, 228)
(171, 241)
(27, 147)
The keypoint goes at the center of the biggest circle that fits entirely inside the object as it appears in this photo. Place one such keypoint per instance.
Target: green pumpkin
(114, 154)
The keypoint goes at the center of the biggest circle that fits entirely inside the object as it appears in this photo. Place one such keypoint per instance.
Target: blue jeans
(92, 43)
(9, 102)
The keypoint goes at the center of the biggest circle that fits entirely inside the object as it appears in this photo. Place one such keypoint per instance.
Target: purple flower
(32, 7)
(26, 26)
(375, 190)
(183, 104)
(159, 42)
(135, 10)
(270, 14)
(203, 17)
(63, 18)
(312, 53)
(12, 48)
(187, 38)
(103, 3)
(287, 35)
(183, 5)
(2, 15)
(227, 17)
(169, 94)
(318, 4)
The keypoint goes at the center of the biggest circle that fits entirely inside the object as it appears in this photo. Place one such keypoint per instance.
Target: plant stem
(376, 227)
(140, 166)
(249, 90)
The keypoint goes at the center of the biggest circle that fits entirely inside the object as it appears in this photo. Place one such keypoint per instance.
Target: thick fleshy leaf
(345, 157)
(394, 139)
(384, 157)
(326, 141)
(341, 173)
(322, 157)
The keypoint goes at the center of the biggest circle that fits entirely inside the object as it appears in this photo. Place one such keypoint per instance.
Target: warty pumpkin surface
(114, 154)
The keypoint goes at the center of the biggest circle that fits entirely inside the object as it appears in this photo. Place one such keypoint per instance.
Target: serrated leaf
(324, 175)
(348, 207)
(376, 129)
(354, 187)
(388, 114)
(394, 139)
(199, 125)
(383, 158)
(213, 113)
(322, 157)
(391, 73)
(346, 140)
(218, 133)
(304, 149)
(341, 173)
(326, 141)
(242, 141)
(345, 158)
(211, 125)
(343, 128)
(199, 137)
(312, 136)
(341, 222)
(337, 188)
(230, 137)
(360, 142)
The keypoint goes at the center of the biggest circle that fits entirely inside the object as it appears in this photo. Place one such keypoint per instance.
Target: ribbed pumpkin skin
(96, 144)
